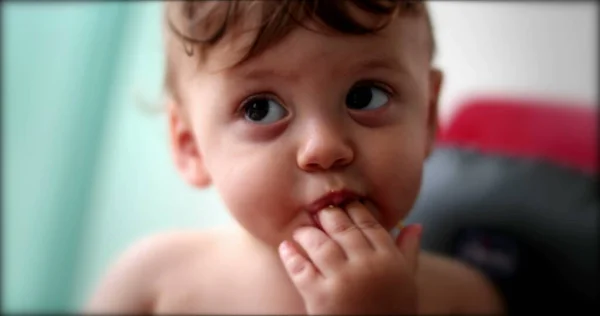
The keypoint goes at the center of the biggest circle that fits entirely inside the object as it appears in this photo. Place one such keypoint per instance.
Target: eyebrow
(262, 73)
(381, 63)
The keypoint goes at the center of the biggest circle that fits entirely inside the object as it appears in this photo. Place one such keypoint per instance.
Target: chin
(273, 237)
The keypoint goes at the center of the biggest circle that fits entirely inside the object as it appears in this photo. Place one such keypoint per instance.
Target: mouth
(339, 198)
(334, 198)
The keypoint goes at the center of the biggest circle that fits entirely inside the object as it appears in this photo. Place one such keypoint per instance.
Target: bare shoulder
(449, 286)
(131, 283)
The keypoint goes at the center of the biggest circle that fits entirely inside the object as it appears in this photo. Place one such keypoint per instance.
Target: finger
(302, 272)
(409, 244)
(341, 228)
(377, 236)
(322, 251)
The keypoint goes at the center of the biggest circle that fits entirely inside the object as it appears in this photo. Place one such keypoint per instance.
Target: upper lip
(335, 198)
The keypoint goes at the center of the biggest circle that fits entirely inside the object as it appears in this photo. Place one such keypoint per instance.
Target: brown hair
(200, 25)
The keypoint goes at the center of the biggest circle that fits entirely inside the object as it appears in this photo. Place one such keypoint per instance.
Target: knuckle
(317, 244)
(297, 265)
(325, 247)
(308, 238)
(342, 228)
(369, 224)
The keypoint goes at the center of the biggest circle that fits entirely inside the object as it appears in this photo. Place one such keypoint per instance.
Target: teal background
(86, 169)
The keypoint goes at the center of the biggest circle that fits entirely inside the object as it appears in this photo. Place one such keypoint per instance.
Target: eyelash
(377, 84)
(255, 96)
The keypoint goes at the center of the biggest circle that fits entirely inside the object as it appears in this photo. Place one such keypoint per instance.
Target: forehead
(402, 44)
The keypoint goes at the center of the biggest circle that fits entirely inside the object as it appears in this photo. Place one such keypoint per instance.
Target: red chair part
(561, 133)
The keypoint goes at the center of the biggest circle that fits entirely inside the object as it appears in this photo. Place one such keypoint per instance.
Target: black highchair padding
(530, 226)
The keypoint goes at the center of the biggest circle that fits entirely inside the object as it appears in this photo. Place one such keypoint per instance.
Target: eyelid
(377, 84)
(262, 95)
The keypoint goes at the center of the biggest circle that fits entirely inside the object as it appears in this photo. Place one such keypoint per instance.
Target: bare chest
(244, 292)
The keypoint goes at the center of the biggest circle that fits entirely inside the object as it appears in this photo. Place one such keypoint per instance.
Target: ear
(435, 85)
(184, 148)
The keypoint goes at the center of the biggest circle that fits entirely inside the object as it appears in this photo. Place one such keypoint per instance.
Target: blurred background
(86, 169)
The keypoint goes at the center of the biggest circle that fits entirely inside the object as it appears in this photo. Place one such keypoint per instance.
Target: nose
(323, 148)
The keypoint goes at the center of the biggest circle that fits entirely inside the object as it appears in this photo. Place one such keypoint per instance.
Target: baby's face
(313, 114)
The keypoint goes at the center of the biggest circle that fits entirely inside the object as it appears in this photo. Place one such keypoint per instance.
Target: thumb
(409, 244)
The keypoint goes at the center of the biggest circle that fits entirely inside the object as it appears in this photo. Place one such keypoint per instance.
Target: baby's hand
(353, 265)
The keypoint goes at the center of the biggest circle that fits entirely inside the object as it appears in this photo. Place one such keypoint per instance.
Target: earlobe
(186, 154)
(435, 86)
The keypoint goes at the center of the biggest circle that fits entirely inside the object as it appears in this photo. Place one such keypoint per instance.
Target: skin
(276, 259)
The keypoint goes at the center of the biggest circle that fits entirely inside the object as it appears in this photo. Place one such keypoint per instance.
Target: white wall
(541, 48)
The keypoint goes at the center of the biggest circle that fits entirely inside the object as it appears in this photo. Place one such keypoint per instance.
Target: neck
(252, 262)
(257, 246)
(265, 255)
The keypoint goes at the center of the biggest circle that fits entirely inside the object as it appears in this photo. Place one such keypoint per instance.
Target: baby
(312, 119)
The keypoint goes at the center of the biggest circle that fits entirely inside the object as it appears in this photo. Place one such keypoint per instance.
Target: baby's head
(279, 103)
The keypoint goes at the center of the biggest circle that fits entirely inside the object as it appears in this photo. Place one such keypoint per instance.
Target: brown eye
(366, 97)
(263, 110)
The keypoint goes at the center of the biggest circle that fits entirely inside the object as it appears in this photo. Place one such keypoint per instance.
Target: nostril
(313, 166)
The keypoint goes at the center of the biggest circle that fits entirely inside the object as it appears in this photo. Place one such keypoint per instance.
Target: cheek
(395, 173)
(256, 186)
